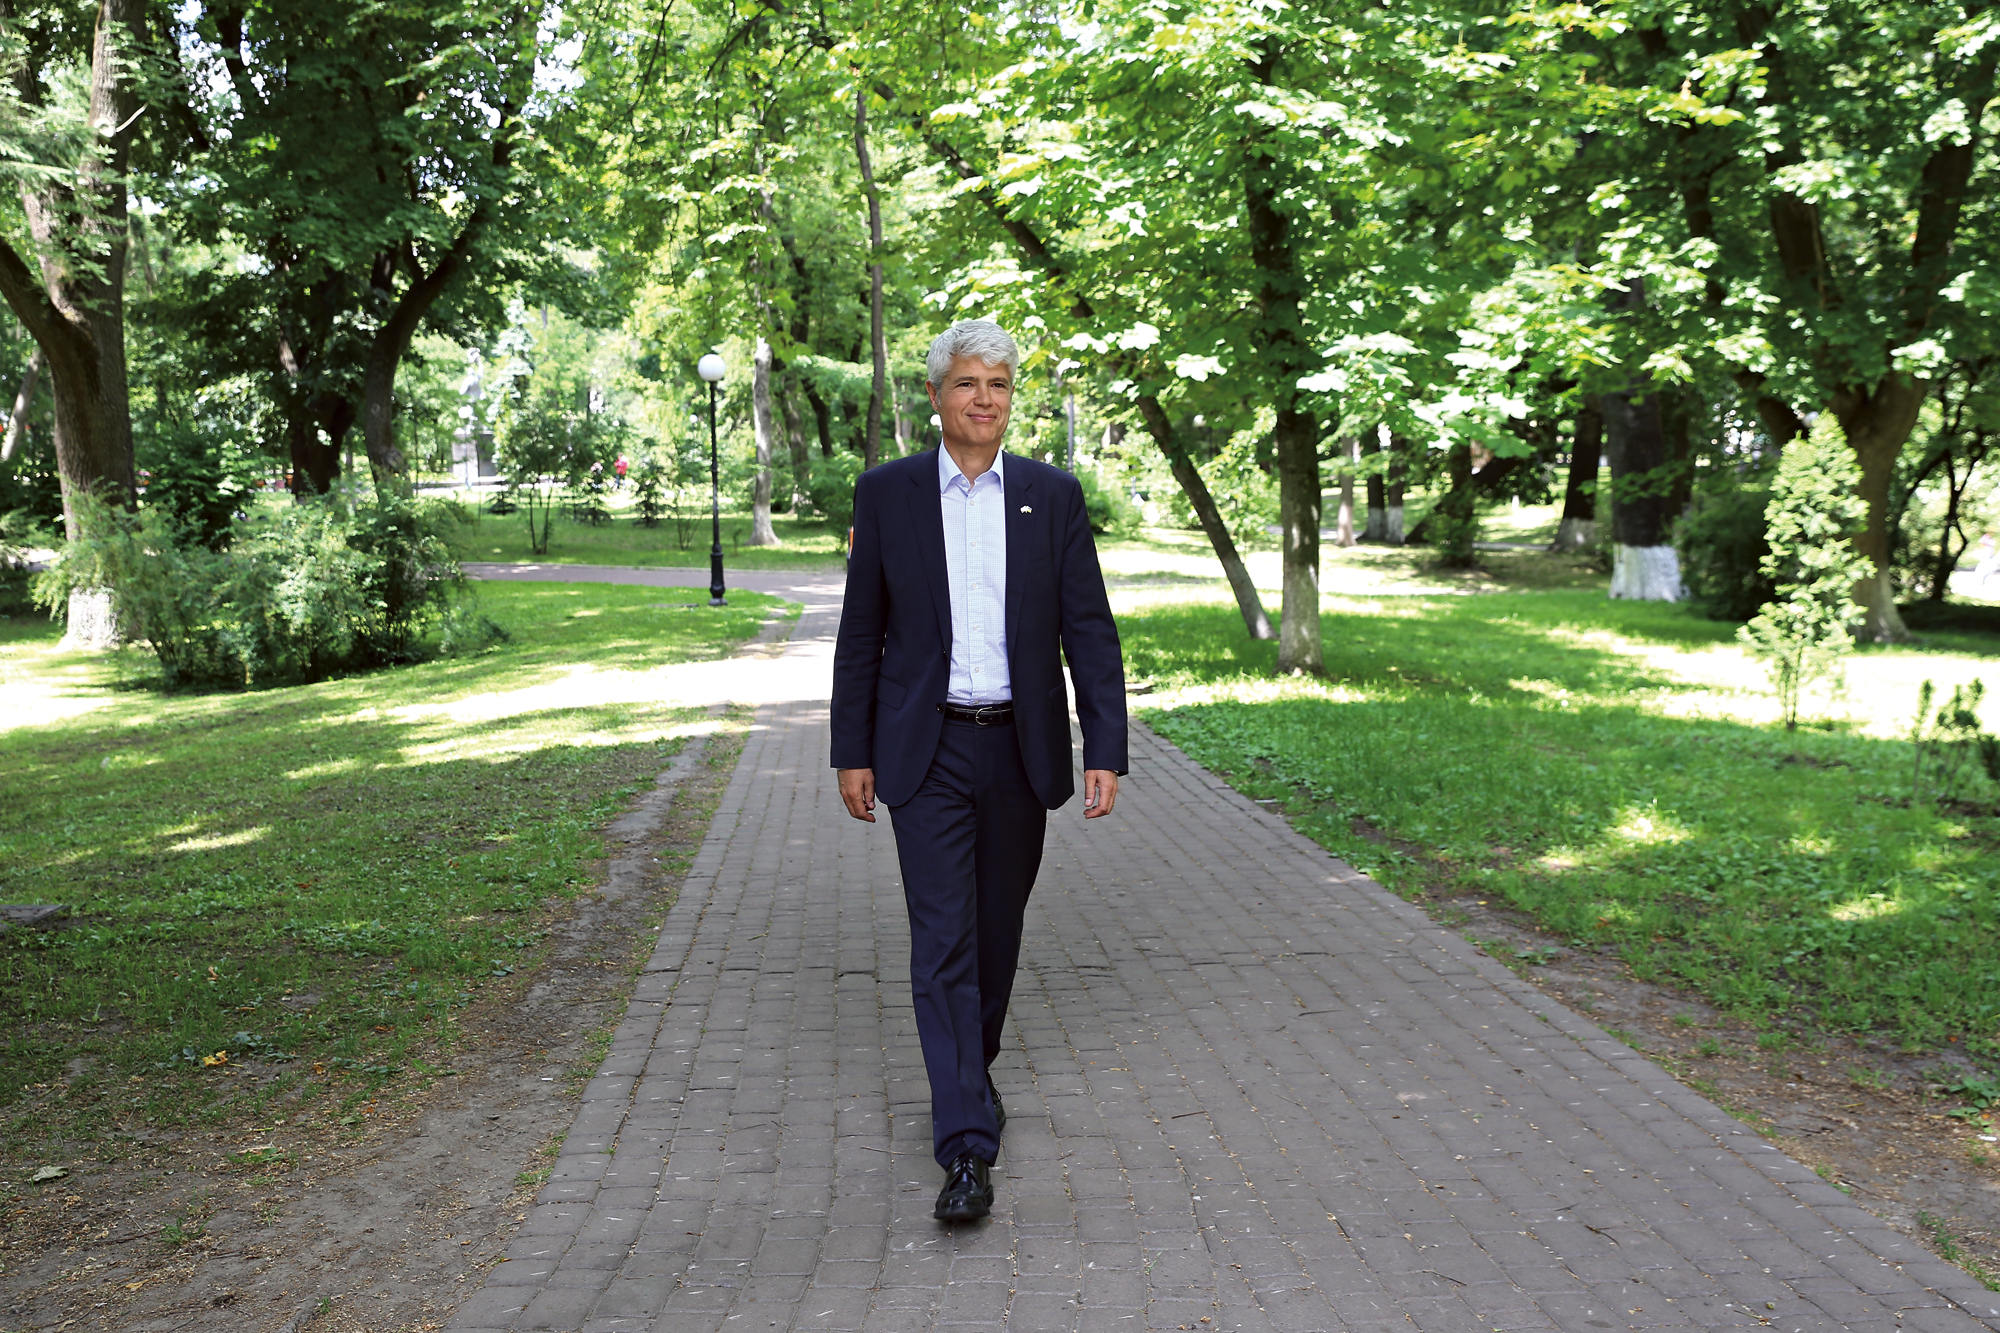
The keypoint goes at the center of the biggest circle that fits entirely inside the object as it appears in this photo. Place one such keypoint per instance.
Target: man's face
(974, 402)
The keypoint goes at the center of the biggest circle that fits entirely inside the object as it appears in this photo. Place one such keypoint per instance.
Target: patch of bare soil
(388, 1224)
(1864, 1114)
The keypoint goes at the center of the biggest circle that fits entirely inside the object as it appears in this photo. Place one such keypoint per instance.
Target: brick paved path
(1247, 1089)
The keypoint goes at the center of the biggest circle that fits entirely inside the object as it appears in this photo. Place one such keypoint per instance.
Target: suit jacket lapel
(1024, 528)
(927, 517)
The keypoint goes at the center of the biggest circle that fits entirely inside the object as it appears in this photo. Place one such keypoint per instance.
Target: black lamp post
(712, 369)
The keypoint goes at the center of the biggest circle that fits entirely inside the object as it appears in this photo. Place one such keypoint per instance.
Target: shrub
(320, 587)
(1810, 522)
(832, 488)
(647, 496)
(1107, 506)
(189, 482)
(1723, 546)
(1243, 491)
(17, 532)
(548, 443)
(1950, 746)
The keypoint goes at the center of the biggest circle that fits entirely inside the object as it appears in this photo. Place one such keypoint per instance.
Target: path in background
(801, 671)
(1247, 1089)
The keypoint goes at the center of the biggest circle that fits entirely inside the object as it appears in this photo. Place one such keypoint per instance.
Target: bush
(832, 488)
(647, 497)
(190, 483)
(18, 531)
(1723, 547)
(320, 587)
(1244, 492)
(1107, 506)
(1811, 521)
(31, 485)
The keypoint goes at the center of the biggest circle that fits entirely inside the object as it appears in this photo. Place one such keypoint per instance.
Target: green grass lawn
(623, 540)
(320, 871)
(1612, 769)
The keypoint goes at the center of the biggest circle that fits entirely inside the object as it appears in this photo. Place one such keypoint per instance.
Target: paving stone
(1241, 1081)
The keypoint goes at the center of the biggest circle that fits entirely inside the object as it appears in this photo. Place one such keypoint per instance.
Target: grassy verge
(323, 872)
(804, 543)
(1609, 769)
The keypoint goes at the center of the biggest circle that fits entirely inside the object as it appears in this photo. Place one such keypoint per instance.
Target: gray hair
(971, 337)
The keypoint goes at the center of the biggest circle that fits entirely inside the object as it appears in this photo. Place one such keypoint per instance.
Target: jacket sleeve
(1090, 642)
(857, 652)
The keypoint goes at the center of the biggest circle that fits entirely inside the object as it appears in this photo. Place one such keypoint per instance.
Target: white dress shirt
(975, 561)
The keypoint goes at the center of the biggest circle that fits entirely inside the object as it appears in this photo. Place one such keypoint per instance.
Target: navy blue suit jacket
(892, 663)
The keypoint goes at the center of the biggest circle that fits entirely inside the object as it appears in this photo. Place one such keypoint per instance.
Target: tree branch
(1941, 201)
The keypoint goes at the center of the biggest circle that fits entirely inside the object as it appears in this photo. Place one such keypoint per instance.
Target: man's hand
(1100, 791)
(857, 790)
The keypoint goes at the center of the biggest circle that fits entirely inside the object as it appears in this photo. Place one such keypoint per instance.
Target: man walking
(973, 574)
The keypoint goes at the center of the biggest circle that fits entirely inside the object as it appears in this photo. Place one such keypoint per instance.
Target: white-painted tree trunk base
(1574, 534)
(1376, 525)
(1646, 573)
(93, 621)
(1392, 525)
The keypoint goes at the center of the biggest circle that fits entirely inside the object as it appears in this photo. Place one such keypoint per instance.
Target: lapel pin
(1027, 509)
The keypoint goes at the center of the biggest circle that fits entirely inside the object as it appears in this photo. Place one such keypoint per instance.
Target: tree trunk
(17, 420)
(392, 343)
(1638, 446)
(822, 421)
(1397, 483)
(315, 463)
(1877, 423)
(1297, 435)
(871, 450)
(76, 312)
(1586, 454)
(82, 231)
(761, 532)
(1644, 566)
(1192, 484)
(1453, 523)
(1376, 527)
(1344, 521)
(795, 436)
(1278, 338)
(1947, 560)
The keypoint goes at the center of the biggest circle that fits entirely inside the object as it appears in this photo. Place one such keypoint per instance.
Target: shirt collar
(948, 469)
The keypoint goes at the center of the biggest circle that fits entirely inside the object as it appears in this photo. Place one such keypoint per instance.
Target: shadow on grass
(318, 869)
(1783, 876)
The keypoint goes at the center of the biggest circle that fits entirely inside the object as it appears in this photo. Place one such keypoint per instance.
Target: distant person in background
(619, 468)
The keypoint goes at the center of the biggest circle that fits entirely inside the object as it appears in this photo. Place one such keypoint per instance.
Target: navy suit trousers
(970, 843)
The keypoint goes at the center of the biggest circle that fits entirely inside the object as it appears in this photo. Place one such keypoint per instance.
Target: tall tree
(1797, 184)
(73, 191)
(371, 159)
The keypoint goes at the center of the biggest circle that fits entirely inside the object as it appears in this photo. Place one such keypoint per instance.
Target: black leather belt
(980, 715)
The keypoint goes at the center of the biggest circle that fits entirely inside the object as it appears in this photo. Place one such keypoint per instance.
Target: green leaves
(1810, 522)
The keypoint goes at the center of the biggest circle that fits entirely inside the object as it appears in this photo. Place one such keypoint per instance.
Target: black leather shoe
(967, 1195)
(999, 1111)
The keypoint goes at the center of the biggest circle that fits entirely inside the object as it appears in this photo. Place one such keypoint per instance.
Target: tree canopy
(1465, 228)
